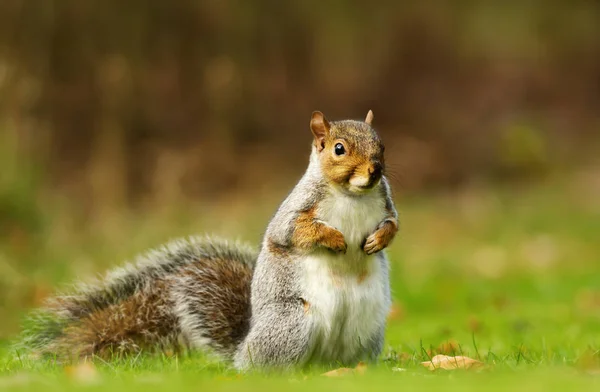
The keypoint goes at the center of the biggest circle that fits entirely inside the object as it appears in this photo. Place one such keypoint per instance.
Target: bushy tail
(192, 292)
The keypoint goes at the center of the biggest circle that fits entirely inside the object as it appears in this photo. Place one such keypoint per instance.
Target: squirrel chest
(347, 294)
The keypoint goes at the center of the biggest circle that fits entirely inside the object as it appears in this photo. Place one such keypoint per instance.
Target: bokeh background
(124, 124)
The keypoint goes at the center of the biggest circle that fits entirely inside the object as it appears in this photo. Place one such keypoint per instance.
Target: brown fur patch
(305, 305)
(382, 237)
(309, 232)
(340, 170)
(143, 321)
(277, 249)
(389, 228)
(362, 276)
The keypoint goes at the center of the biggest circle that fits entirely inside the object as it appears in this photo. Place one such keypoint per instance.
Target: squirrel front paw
(381, 238)
(334, 240)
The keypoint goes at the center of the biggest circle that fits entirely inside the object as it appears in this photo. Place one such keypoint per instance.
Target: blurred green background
(125, 124)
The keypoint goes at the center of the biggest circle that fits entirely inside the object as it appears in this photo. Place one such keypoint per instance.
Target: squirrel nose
(375, 170)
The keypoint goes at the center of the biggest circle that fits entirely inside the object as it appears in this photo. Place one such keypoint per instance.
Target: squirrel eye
(339, 149)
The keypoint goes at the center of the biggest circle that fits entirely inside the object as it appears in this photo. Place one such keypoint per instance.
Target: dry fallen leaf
(361, 368)
(84, 373)
(450, 363)
(450, 347)
(338, 372)
(404, 357)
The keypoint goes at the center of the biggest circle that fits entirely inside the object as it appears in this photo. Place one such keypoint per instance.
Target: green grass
(507, 275)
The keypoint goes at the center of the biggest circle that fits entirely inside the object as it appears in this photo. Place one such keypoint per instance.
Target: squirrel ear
(369, 118)
(320, 128)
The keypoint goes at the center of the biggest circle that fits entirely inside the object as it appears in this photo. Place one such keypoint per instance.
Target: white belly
(345, 311)
(348, 295)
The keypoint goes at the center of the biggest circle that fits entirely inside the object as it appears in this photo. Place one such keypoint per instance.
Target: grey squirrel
(317, 292)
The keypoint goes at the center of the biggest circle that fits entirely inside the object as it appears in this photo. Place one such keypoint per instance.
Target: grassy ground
(506, 275)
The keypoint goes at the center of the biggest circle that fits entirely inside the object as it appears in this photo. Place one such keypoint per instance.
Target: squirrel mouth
(373, 182)
(370, 185)
(360, 183)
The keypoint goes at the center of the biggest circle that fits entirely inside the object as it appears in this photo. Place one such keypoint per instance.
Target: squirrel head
(350, 152)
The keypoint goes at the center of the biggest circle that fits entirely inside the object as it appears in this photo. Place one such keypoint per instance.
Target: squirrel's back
(188, 293)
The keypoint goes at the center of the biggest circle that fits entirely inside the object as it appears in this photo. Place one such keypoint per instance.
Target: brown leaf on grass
(450, 363)
(404, 357)
(449, 347)
(338, 372)
(84, 373)
(361, 368)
